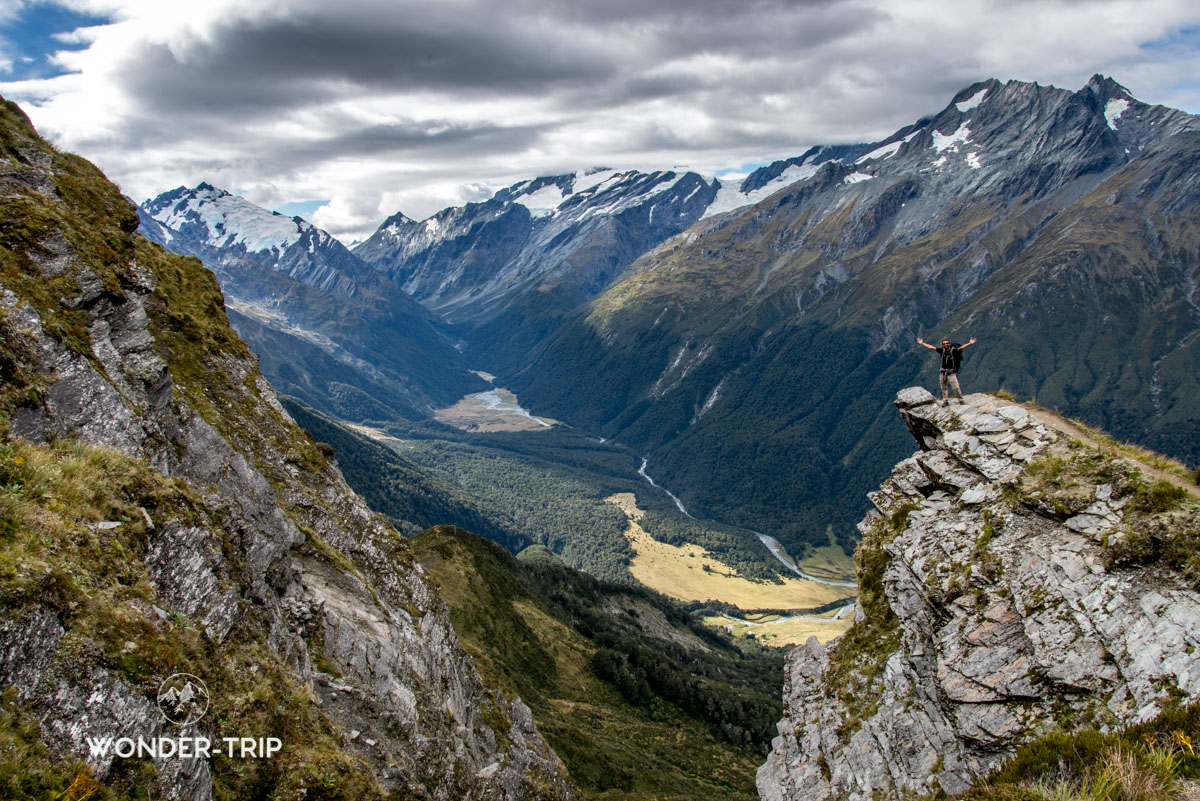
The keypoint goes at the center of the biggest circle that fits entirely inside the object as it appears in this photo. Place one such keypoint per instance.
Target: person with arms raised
(951, 353)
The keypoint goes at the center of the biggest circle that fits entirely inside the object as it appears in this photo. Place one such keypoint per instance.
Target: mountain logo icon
(182, 699)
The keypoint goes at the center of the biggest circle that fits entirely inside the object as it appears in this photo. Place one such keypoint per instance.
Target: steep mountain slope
(752, 357)
(639, 701)
(161, 513)
(329, 328)
(1014, 582)
(518, 262)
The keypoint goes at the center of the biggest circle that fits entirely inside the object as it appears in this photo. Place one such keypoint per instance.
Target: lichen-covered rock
(257, 542)
(1004, 610)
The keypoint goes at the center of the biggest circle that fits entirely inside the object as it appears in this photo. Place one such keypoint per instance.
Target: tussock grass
(1140, 454)
(1146, 762)
(1123, 774)
(1112, 446)
(29, 770)
(54, 553)
(51, 498)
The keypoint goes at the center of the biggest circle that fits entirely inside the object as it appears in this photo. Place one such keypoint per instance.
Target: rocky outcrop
(999, 600)
(257, 559)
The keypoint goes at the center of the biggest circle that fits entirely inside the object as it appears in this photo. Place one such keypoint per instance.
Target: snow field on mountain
(730, 196)
(1113, 111)
(881, 152)
(972, 101)
(232, 221)
(942, 142)
(543, 202)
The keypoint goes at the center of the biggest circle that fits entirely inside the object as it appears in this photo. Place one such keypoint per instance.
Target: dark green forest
(521, 489)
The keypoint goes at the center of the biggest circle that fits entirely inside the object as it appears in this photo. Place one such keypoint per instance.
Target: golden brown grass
(1123, 775)
(1155, 465)
(784, 631)
(688, 573)
(828, 562)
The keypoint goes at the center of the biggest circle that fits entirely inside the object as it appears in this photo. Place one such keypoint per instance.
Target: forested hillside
(520, 489)
(638, 700)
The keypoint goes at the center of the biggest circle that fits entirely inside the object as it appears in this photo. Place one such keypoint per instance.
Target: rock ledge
(1012, 618)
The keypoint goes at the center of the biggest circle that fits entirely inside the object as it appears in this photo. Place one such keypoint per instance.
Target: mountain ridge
(1017, 219)
(161, 513)
(327, 327)
(1013, 211)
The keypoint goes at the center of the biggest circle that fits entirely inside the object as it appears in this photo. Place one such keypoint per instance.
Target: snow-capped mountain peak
(224, 220)
(213, 224)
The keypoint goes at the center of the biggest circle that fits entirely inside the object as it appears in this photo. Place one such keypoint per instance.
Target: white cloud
(407, 106)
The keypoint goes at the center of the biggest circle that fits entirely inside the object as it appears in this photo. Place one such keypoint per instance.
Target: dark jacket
(951, 357)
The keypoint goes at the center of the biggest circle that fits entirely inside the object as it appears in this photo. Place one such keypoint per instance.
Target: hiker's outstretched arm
(926, 344)
(969, 344)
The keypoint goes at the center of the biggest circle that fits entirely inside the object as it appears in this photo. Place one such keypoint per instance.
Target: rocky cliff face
(162, 513)
(1017, 574)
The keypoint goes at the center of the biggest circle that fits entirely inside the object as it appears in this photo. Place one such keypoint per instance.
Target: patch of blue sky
(1183, 40)
(1182, 46)
(300, 208)
(31, 36)
(741, 171)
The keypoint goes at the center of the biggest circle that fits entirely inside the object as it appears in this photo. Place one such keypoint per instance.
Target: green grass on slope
(673, 720)
(87, 213)
(53, 555)
(55, 558)
(1146, 762)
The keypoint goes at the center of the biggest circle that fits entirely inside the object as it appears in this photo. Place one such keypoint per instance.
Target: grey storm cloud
(384, 103)
(280, 65)
(600, 50)
(430, 138)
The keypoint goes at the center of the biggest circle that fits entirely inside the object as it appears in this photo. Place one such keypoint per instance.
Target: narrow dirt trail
(1071, 429)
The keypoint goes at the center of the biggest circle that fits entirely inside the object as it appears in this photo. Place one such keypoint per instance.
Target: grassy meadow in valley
(688, 573)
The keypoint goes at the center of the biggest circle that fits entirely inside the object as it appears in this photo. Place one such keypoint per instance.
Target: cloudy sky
(353, 110)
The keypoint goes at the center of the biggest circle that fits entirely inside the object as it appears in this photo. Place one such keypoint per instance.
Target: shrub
(1161, 496)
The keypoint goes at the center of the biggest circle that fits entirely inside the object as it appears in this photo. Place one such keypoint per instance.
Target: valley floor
(494, 410)
(688, 573)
